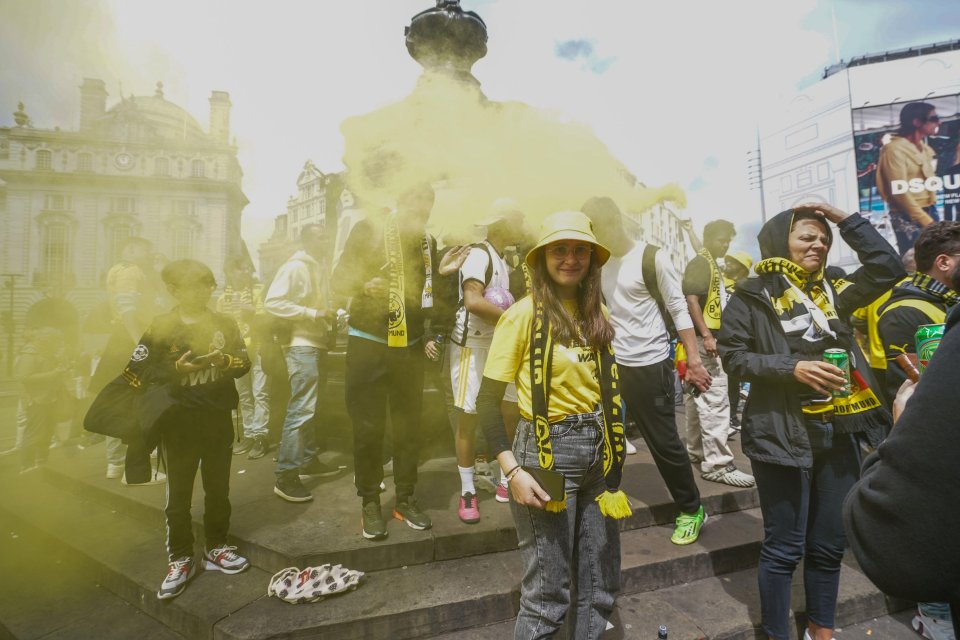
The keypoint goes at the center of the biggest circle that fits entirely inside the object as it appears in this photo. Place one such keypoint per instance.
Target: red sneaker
(503, 494)
(469, 510)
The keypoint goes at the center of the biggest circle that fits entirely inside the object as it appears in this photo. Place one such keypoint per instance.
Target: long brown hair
(593, 328)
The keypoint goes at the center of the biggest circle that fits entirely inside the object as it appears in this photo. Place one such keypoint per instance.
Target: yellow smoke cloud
(477, 151)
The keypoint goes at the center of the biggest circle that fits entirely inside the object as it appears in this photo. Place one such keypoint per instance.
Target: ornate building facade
(142, 167)
(317, 202)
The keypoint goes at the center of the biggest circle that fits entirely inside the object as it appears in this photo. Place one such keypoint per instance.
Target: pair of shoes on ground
(730, 475)
(932, 628)
(374, 527)
(255, 447)
(687, 527)
(290, 487)
(223, 558)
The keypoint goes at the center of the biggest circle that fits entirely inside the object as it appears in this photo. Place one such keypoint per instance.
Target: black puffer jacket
(755, 349)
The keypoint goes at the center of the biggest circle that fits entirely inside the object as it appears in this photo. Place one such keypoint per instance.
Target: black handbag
(113, 411)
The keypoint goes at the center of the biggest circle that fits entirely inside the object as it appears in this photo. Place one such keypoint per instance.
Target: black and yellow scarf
(789, 295)
(925, 283)
(613, 502)
(396, 301)
(715, 293)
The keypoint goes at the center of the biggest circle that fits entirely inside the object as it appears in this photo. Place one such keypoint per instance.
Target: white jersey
(481, 261)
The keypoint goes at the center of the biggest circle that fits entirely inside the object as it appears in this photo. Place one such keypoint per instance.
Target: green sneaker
(371, 522)
(408, 511)
(688, 525)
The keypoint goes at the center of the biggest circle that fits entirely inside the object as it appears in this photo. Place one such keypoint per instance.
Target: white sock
(503, 479)
(466, 480)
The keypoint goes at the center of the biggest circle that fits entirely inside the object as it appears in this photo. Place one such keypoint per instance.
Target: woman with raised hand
(806, 420)
(566, 461)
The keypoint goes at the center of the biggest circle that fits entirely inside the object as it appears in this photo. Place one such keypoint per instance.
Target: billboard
(937, 185)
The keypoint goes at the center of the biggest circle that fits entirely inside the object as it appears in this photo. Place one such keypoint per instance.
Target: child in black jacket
(185, 365)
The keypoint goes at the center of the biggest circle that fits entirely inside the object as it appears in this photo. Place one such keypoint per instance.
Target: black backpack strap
(487, 276)
(649, 269)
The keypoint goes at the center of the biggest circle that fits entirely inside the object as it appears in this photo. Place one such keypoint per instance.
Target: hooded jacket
(754, 347)
(897, 326)
(896, 515)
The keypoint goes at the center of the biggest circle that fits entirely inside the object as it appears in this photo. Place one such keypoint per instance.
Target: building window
(197, 169)
(186, 208)
(183, 239)
(84, 162)
(161, 167)
(117, 234)
(44, 159)
(56, 202)
(55, 251)
(123, 205)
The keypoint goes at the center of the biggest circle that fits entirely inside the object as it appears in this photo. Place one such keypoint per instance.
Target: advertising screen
(909, 175)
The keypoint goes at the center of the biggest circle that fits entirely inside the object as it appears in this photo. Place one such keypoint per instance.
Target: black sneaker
(291, 489)
(242, 447)
(371, 522)
(259, 448)
(408, 511)
(317, 469)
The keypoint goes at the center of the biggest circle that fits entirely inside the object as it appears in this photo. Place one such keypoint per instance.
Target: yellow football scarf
(715, 301)
(396, 305)
(788, 305)
(613, 502)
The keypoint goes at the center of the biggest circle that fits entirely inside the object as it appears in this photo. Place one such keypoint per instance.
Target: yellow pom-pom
(615, 504)
(556, 506)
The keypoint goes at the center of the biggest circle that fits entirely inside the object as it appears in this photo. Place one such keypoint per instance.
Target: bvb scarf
(925, 283)
(804, 303)
(396, 306)
(716, 296)
(613, 502)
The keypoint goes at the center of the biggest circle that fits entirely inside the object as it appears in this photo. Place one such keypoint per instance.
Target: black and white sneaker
(225, 558)
(178, 573)
(291, 489)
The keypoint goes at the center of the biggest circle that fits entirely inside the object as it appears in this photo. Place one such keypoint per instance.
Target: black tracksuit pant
(193, 438)
(648, 394)
(378, 376)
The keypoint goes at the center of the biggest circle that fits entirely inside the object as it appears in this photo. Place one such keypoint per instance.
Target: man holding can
(925, 298)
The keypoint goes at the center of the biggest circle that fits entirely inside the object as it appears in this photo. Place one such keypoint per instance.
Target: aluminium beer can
(927, 340)
(841, 359)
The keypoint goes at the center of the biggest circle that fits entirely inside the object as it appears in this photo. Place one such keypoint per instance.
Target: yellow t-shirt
(575, 387)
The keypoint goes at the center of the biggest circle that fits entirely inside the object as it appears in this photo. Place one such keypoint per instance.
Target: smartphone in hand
(549, 480)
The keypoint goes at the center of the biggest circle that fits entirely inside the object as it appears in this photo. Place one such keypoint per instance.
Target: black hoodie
(754, 346)
(901, 516)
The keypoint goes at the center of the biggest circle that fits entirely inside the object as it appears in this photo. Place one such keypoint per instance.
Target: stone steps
(727, 607)
(275, 534)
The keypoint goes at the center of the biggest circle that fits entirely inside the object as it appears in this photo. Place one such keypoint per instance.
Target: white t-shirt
(479, 332)
(641, 337)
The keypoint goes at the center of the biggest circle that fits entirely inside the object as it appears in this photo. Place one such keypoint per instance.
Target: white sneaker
(932, 628)
(225, 558)
(730, 475)
(631, 450)
(806, 635)
(178, 573)
(114, 471)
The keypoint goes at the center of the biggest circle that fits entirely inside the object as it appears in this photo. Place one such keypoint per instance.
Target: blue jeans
(906, 229)
(803, 520)
(571, 554)
(307, 377)
(254, 395)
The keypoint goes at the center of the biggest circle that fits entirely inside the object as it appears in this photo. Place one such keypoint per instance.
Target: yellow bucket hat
(743, 258)
(568, 225)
